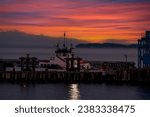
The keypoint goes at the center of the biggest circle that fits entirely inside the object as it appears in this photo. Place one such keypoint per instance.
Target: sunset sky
(90, 20)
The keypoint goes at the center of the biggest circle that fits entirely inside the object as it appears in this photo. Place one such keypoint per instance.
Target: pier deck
(131, 75)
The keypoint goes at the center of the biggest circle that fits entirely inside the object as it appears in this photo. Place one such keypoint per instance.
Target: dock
(73, 69)
(125, 76)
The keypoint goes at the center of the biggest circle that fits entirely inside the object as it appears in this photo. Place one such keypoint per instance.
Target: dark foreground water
(74, 91)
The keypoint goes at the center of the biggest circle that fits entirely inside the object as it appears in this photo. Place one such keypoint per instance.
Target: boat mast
(64, 40)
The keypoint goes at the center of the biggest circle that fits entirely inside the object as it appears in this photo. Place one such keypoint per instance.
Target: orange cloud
(92, 21)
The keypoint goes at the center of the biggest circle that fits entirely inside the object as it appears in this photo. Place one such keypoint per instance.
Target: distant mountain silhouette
(105, 45)
(21, 39)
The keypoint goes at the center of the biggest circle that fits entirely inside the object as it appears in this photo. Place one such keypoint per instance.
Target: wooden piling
(121, 75)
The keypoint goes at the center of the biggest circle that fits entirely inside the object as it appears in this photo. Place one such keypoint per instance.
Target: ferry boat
(61, 55)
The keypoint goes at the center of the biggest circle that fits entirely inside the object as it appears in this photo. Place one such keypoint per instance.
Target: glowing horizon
(89, 20)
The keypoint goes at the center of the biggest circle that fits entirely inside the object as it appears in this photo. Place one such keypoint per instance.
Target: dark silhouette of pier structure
(28, 63)
(73, 63)
(144, 51)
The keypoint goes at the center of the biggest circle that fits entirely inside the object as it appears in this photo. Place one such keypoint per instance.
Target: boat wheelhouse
(65, 59)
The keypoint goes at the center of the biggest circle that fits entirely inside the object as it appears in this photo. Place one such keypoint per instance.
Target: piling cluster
(121, 75)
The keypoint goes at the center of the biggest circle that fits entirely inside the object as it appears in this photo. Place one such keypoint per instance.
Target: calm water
(73, 91)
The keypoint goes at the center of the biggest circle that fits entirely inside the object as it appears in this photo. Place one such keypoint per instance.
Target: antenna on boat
(64, 40)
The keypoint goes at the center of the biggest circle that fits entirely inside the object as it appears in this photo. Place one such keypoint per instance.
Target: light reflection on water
(74, 93)
(60, 91)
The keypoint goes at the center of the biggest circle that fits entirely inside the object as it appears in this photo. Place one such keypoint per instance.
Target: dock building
(144, 51)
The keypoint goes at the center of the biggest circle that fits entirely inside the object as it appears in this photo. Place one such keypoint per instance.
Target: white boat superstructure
(59, 60)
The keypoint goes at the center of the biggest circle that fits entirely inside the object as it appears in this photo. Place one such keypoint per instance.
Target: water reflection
(60, 91)
(74, 93)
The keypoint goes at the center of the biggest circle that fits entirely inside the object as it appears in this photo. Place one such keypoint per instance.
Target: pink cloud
(128, 18)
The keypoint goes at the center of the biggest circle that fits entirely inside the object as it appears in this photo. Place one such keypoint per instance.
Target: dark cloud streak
(20, 14)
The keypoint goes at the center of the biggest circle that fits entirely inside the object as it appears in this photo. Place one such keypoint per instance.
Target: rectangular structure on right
(144, 51)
